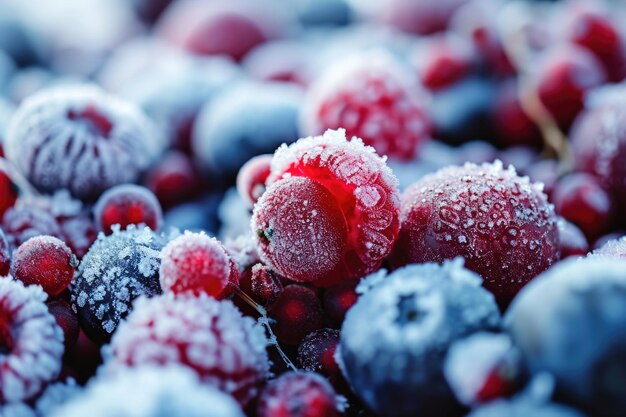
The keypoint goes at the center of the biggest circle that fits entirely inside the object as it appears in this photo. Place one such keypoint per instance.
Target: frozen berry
(210, 337)
(27, 220)
(484, 367)
(251, 178)
(371, 96)
(615, 248)
(82, 139)
(5, 255)
(297, 312)
(246, 120)
(572, 240)
(563, 77)
(174, 179)
(524, 407)
(499, 222)
(330, 213)
(156, 391)
(264, 284)
(394, 340)
(443, 61)
(298, 394)
(31, 343)
(45, 261)
(79, 233)
(127, 204)
(580, 199)
(117, 269)
(510, 121)
(197, 263)
(599, 147)
(287, 61)
(337, 301)
(9, 191)
(316, 353)
(422, 17)
(67, 320)
(571, 323)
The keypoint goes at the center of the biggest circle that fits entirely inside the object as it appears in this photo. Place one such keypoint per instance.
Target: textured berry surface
(330, 213)
(371, 97)
(117, 269)
(31, 343)
(613, 248)
(316, 353)
(298, 395)
(265, 286)
(127, 204)
(196, 263)
(82, 139)
(297, 312)
(499, 222)
(394, 340)
(45, 261)
(210, 337)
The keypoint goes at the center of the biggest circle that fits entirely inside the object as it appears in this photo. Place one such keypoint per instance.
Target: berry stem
(265, 321)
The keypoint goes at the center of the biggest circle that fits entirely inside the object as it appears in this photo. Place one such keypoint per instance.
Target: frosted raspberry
(117, 269)
(298, 395)
(127, 204)
(251, 178)
(82, 139)
(150, 392)
(210, 337)
(197, 263)
(372, 97)
(499, 222)
(31, 343)
(330, 213)
(45, 261)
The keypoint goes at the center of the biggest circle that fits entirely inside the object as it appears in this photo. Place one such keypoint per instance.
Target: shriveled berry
(66, 319)
(251, 178)
(45, 261)
(264, 284)
(197, 263)
(371, 97)
(210, 337)
(337, 301)
(572, 240)
(301, 394)
(316, 353)
(297, 312)
(498, 221)
(330, 213)
(127, 204)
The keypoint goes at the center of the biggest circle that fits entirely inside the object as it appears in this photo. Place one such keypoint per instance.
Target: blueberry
(524, 408)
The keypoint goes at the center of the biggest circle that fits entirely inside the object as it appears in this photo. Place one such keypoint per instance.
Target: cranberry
(5, 255)
(580, 199)
(67, 320)
(298, 395)
(45, 261)
(251, 178)
(337, 301)
(174, 179)
(9, 191)
(316, 353)
(127, 204)
(264, 284)
(443, 61)
(297, 312)
(511, 123)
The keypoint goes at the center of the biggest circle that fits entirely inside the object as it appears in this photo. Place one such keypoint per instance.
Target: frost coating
(394, 339)
(615, 248)
(31, 342)
(56, 395)
(352, 220)
(154, 392)
(116, 270)
(225, 349)
(80, 138)
(524, 408)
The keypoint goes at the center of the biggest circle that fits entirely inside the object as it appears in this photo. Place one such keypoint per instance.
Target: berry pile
(312, 208)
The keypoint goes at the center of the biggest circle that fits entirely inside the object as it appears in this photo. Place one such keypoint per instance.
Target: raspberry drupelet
(31, 342)
(330, 213)
(499, 222)
(197, 263)
(45, 261)
(127, 204)
(372, 97)
(82, 139)
(210, 337)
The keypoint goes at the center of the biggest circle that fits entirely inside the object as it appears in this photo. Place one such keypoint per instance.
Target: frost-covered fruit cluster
(312, 208)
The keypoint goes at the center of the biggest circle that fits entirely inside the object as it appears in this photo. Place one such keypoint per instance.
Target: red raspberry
(197, 263)
(31, 343)
(174, 179)
(127, 204)
(499, 222)
(67, 320)
(573, 241)
(297, 312)
(251, 178)
(5, 255)
(298, 395)
(580, 199)
(330, 213)
(337, 301)
(210, 337)
(562, 79)
(371, 96)
(45, 261)
(316, 353)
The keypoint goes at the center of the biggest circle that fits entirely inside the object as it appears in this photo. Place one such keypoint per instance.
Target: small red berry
(265, 285)
(443, 61)
(297, 312)
(511, 123)
(9, 191)
(337, 301)
(251, 178)
(45, 261)
(173, 180)
(316, 353)
(5, 255)
(66, 319)
(197, 263)
(298, 394)
(127, 204)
